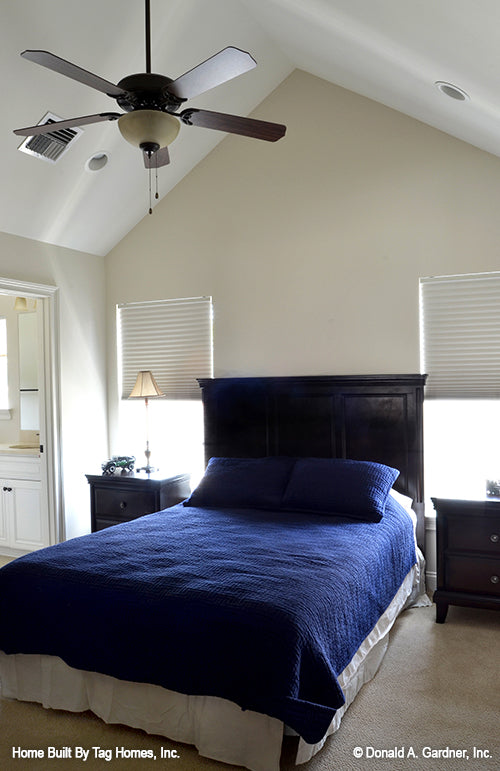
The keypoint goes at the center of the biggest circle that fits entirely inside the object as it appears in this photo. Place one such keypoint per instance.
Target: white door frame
(51, 433)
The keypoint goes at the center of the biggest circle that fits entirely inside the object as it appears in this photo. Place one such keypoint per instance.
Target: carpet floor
(437, 691)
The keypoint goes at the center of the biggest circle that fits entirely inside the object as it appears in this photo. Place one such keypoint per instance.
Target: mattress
(257, 607)
(277, 613)
(218, 728)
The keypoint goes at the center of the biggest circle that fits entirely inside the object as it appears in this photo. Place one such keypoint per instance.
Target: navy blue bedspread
(263, 608)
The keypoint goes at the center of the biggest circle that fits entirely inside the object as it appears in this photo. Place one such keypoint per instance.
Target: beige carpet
(438, 688)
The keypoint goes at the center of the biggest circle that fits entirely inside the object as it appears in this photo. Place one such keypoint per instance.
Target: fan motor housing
(147, 91)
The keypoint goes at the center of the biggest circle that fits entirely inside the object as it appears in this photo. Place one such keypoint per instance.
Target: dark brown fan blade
(154, 160)
(56, 125)
(46, 59)
(227, 64)
(234, 124)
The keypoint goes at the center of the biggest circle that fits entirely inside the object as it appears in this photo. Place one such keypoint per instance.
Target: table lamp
(146, 388)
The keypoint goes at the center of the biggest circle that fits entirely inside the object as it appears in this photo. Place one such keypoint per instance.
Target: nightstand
(468, 554)
(116, 498)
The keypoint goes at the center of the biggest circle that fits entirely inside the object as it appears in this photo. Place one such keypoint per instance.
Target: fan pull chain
(150, 207)
(156, 180)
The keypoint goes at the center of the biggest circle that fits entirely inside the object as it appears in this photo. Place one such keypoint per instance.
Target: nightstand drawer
(481, 534)
(130, 503)
(116, 498)
(473, 574)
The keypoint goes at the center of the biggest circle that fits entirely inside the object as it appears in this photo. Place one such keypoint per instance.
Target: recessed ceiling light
(454, 92)
(97, 162)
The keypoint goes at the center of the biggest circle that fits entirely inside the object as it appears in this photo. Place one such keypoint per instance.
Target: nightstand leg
(441, 611)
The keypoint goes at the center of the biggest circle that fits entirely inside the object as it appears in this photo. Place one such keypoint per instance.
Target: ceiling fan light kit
(150, 101)
(148, 129)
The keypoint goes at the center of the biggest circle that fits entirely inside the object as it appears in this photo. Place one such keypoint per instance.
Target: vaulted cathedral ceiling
(392, 51)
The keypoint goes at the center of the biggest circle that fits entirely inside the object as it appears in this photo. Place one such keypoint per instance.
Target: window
(172, 339)
(4, 383)
(460, 352)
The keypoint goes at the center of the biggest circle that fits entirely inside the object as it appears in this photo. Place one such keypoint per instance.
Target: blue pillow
(351, 488)
(250, 483)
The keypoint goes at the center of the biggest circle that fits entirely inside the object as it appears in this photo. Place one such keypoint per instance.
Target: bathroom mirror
(28, 372)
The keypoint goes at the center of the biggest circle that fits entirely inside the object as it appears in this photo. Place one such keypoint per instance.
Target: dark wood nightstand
(120, 497)
(468, 554)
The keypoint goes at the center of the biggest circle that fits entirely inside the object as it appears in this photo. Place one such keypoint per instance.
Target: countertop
(20, 450)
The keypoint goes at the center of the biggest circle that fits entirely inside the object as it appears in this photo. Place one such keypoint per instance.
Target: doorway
(44, 399)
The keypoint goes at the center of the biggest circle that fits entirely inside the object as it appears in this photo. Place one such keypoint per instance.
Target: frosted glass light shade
(148, 127)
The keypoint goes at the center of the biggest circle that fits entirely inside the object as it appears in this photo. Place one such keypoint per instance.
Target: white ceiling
(391, 51)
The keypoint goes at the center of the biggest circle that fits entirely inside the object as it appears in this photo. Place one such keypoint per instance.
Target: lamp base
(148, 469)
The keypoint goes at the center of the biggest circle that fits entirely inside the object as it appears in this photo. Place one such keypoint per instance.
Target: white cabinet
(23, 521)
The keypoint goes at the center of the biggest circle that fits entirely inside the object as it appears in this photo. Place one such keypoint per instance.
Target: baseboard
(430, 581)
(7, 552)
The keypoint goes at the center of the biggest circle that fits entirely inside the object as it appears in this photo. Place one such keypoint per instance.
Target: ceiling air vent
(53, 145)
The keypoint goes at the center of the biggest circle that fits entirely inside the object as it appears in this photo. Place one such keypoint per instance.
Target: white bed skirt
(218, 728)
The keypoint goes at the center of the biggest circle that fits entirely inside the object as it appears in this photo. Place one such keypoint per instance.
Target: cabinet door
(4, 531)
(27, 525)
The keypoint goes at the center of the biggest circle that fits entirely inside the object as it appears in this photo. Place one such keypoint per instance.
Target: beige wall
(81, 358)
(312, 247)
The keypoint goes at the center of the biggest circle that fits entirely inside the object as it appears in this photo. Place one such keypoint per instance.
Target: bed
(260, 604)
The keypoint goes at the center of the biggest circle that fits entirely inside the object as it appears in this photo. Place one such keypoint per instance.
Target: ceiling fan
(151, 120)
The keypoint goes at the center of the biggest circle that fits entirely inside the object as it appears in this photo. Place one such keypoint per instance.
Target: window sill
(5, 414)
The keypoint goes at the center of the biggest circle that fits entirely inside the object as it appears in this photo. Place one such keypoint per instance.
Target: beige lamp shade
(145, 386)
(148, 127)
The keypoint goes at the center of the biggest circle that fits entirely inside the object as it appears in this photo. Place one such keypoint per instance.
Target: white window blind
(172, 339)
(460, 335)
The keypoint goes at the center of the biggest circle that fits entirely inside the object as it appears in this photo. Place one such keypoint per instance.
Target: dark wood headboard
(362, 417)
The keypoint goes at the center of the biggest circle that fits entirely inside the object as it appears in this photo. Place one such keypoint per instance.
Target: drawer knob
(123, 504)
(494, 538)
(494, 579)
